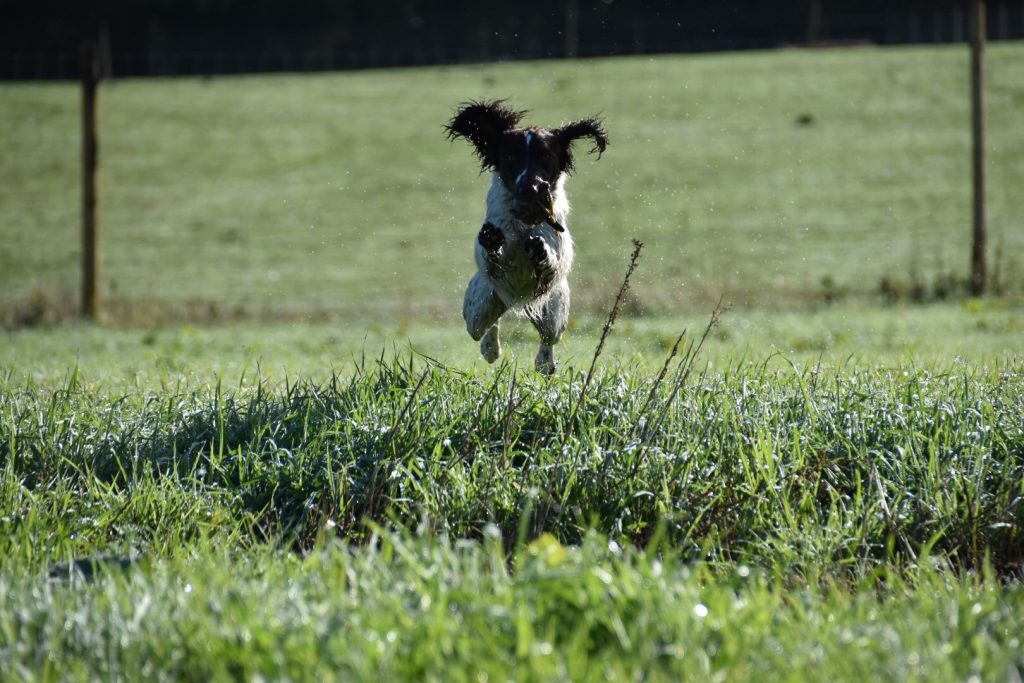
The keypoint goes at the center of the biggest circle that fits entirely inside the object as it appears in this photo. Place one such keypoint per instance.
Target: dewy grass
(420, 608)
(797, 469)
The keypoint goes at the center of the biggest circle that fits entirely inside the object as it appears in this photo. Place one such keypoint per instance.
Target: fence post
(90, 162)
(978, 260)
(814, 22)
(572, 29)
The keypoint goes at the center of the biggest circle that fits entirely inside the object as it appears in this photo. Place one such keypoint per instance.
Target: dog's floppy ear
(482, 123)
(584, 128)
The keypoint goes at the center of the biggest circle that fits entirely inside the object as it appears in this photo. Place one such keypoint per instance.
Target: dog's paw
(543, 263)
(491, 237)
(490, 345)
(545, 360)
(538, 250)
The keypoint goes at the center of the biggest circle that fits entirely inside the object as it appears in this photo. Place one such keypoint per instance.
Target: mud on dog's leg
(481, 309)
(545, 360)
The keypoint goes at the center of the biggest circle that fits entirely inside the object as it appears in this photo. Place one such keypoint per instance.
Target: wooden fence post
(814, 22)
(90, 162)
(978, 260)
(572, 29)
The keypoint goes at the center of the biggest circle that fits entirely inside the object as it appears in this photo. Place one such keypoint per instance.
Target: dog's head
(529, 160)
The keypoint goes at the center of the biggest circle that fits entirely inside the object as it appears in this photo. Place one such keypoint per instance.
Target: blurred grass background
(778, 179)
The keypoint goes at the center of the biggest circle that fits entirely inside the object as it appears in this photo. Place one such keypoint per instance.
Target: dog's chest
(516, 269)
(523, 272)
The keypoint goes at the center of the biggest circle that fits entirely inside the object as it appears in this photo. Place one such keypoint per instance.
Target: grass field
(277, 461)
(286, 195)
(978, 332)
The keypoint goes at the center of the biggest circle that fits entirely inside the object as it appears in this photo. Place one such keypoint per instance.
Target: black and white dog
(523, 252)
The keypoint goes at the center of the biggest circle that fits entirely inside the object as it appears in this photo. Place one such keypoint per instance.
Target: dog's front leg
(481, 307)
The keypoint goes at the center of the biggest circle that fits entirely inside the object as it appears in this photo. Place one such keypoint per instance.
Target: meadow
(778, 179)
(280, 457)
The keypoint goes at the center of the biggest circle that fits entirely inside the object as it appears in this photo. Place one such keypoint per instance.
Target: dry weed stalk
(608, 324)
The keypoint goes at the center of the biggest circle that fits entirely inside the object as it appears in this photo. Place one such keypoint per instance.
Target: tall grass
(795, 469)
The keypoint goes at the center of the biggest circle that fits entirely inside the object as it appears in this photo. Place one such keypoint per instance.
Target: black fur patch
(591, 127)
(491, 238)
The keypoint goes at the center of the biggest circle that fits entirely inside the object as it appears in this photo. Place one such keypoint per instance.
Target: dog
(523, 251)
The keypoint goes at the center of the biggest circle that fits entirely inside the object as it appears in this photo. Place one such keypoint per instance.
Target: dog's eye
(548, 161)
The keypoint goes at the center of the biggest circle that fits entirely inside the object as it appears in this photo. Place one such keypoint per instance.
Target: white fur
(510, 281)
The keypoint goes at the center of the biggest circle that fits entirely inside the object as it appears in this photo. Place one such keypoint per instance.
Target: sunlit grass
(790, 468)
(833, 336)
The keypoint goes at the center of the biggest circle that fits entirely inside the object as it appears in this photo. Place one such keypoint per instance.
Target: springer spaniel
(523, 251)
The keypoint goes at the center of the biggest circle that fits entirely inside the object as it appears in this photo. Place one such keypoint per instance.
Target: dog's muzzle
(530, 212)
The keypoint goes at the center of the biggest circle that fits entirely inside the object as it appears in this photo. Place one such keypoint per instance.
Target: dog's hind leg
(481, 310)
(550, 322)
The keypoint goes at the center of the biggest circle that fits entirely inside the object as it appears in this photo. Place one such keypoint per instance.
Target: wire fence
(446, 45)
